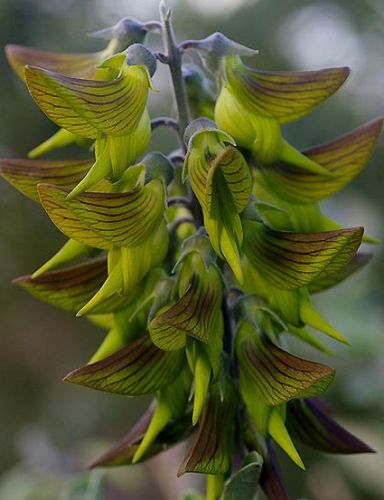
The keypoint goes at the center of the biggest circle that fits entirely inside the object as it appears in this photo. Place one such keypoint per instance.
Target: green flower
(87, 108)
(253, 105)
(221, 181)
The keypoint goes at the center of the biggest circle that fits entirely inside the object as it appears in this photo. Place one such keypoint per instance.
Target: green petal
(25, 175)
(105, 219)
(293, 260)
(194, 314)
(140, 368)
(69, 288)
(55, 203)
(75, 65)
(132, 265)
(278, 431)
(344, 158)
(67, 253)
(277, 375)
(171, 405)
(325, 281)
(88, 107)
(286, 96)
(60, 139)
(237, 177)
(211, 450)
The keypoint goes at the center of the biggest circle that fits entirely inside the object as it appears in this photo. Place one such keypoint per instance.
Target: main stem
(175, 68)
(174, 61)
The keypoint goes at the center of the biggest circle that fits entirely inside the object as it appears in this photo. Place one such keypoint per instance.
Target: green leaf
(211, 449)
(309, 423)
(69, 288)
(102, 220)
(286, 96)
(195, 313)
(328, 280)
(140, 368)
(25, 175)
(90, 107)
(344, 158)
(291, 260)
(243, 484)
(277, 375)
(75, 65)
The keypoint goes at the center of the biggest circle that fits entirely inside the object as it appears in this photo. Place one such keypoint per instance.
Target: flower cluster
(199, 263)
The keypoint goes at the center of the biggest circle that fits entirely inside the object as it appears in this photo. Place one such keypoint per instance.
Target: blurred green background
(50, 430)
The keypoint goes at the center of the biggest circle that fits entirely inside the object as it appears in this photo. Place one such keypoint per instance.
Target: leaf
(25, 175)
(102, 220)
(344, 158)
(194, 314)
(277, 375)
(75, 65)
(286, 96)
(211, 449)
(293, 260)
(307, 421)
(88, 107)
(325, 281)
(140, 368)
(243, 484)
(69, 288)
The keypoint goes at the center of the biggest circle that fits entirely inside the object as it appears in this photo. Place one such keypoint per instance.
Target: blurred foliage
(39, 344)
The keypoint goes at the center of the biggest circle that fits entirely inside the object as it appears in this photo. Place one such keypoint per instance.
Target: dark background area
(50, 430)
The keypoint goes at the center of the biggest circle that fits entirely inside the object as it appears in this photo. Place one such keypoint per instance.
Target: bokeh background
(49, 431)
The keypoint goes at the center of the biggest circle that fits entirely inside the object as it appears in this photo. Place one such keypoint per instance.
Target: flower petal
(140, 368)
(105, 219)
(69, 288)
(88, 107)
(286, 96)
(194, 314)
(325, 281)
(277, 375)
(25, 175)
(312, 426)
(293, 260)
(211, 450)
(75, 65)
(344, 157)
